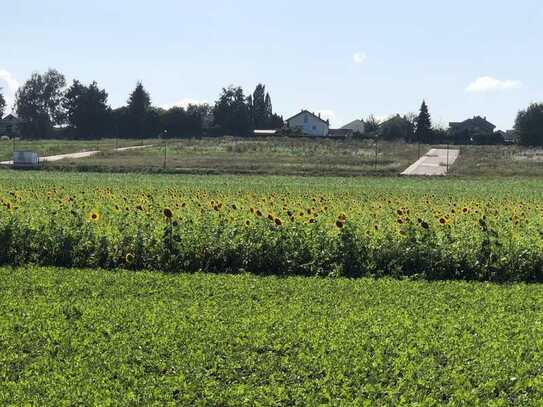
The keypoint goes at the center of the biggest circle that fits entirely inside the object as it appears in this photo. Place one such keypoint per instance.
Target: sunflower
(168, 213)
(278, 221)
(443, 220)
(339, 224)
(424, 225)
(129, 258)
(247, 222)
(94, 216)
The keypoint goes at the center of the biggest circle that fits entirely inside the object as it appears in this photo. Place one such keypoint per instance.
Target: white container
(25, 159)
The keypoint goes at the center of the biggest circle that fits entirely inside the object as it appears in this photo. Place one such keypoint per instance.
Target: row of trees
(419, 129)
(46, 106)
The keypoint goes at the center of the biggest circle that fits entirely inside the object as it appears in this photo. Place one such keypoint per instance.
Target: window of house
(314, 127)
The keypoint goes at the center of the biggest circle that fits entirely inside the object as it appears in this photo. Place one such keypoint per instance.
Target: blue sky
(347, 59)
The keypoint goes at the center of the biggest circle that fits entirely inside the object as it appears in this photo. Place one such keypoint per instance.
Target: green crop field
(435, 229)
(92, 337)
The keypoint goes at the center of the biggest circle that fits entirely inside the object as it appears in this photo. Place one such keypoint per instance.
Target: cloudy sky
(346, 59)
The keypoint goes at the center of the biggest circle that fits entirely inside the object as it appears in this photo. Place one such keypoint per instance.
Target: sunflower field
(489, 230)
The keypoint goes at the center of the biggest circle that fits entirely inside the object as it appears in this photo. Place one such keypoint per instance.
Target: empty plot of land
(434, 162)
(81, 154)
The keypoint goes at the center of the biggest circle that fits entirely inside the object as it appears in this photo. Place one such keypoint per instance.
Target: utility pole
(164, 134)
(447, 157)
(376, 152)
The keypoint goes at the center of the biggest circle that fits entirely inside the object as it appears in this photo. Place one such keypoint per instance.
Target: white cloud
(8, 78)
(185, 102)
(360, 58)
(489, 84)
(9, 91)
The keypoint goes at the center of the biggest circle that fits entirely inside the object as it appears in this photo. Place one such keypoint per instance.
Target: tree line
(528, 129)
(48, 107)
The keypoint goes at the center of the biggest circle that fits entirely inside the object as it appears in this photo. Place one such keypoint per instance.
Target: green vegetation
(71, 337)
(273, 156)
(434, 229)
(53, 147)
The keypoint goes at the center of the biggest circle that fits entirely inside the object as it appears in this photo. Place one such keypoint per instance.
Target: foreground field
(435, 229)
(70, 337)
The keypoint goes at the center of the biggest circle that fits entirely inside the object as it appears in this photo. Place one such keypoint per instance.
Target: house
(477, 130)
(309, 123)
(9, 126)
(356, 126)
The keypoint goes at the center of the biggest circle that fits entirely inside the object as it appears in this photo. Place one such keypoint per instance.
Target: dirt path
(82, 154)
(434, 162)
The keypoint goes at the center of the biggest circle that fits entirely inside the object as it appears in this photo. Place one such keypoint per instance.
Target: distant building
(476, 130)
(356, 126)
(340, 133)
(309, 123)
(264, 133)
(9, 126)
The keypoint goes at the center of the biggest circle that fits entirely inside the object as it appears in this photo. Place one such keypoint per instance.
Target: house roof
(10, 116)
(475, 121)
(354, 124)
(311, 114)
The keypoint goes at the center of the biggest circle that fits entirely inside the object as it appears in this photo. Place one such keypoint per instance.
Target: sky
(344, 59)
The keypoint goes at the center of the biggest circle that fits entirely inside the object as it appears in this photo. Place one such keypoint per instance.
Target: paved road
(82, 154)
(434, 162)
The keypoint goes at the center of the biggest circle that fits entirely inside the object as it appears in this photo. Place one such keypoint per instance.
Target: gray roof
(354, 124)
(312, 114)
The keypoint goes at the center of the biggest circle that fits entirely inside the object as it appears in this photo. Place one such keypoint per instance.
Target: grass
(273, 156)
(124, 338)
(54, 147)
(501, 161)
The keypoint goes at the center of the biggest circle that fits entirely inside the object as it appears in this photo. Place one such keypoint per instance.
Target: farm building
(9, 126)
(309, 123)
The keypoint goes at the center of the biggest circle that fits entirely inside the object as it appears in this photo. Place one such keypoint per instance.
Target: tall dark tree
(423, 125)
(2, 104)
(259, 107)
(269, 110)
(87, 111)
(529, 125)
(231, 112)
(38, 103)
(139, 104)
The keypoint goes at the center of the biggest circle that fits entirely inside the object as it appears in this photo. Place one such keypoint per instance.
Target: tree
(268, 111)
(87, 110)
(372, 124)
(423, 125)
(139, 103)
(38, 103)
(2, 104)
(529, 125)
(259, 107)
(231, 112)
